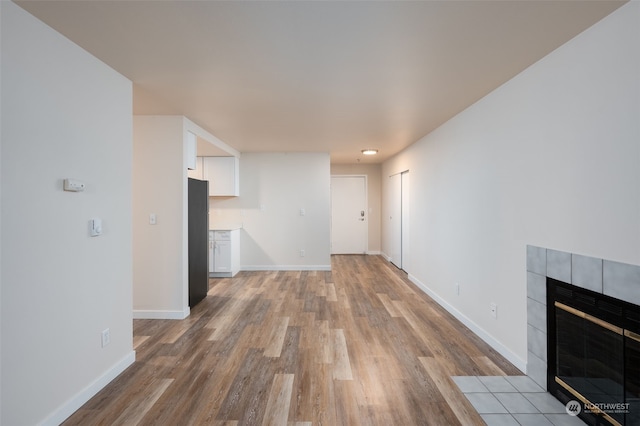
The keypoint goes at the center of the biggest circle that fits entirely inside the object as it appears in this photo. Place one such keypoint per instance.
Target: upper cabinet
(198, 171)
(223, 176)
(192, 147)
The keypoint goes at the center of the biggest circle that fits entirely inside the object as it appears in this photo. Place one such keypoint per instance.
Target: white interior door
(349, 215)
(404, 197)
(399, 220)
(395, 220)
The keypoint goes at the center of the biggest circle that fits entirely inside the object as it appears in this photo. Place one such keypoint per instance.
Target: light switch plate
(95, 227)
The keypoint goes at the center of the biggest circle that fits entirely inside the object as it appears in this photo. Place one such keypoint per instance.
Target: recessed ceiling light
(369, 151)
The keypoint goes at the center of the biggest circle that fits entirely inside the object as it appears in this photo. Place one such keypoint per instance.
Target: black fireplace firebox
(594, 353)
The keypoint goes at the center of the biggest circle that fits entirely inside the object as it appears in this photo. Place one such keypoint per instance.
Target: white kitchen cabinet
(211, 252)
(224, 253)
(223, 176)
(192, 147)
(197, 172)
(222, 256)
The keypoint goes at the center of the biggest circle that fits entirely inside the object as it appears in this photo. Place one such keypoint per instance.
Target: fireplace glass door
(632, 354)
(589, 357)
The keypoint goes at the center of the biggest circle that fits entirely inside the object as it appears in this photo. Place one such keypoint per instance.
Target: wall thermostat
(73, 185)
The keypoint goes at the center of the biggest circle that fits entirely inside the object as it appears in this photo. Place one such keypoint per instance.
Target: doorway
(349, 223)
(399, 220)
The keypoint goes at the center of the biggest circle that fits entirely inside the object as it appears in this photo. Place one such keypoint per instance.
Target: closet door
(395, 220)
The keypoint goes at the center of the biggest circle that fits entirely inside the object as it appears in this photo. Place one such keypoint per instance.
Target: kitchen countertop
(225, 226)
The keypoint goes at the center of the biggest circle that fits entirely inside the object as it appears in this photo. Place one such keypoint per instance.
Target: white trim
(71, 406)
(475, 328)
(145, 314)
(374, 252)
(386, 257)
(223, 274)
(399, 173)
(199, 131)
(286, 268)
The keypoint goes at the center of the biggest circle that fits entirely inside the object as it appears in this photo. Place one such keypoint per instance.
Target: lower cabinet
(222, 256)
(224, 253)
(211, 252)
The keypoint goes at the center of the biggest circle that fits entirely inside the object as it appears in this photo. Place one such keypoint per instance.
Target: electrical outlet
(302, 253)
(106, 337)
(457, 289)
(493, 310)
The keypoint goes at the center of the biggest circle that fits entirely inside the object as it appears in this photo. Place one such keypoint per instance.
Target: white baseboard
(71, 406)
(286, 268)
(148, 314)
(479, 331)
(374, 252)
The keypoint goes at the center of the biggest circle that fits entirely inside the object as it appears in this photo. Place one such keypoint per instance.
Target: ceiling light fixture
(369, 151)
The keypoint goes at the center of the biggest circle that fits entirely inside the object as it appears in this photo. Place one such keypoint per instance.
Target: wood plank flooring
(360, 345)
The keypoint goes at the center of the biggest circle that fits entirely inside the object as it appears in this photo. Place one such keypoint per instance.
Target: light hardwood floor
(360, 345)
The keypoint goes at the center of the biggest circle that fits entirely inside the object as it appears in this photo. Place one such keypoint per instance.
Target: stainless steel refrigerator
(198, 217)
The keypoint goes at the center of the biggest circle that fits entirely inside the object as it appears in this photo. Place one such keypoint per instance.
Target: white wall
(64, 114)
(160, 252)
(159, 186)
(273, 189)
(551, 158)
(1, 36)
(374, 198)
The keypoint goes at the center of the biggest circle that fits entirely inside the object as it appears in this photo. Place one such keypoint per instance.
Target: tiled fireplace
(582, 292)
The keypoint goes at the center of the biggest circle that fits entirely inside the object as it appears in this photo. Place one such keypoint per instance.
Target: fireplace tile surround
(615, 279)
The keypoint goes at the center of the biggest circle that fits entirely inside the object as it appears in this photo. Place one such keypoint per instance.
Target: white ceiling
(320, 76)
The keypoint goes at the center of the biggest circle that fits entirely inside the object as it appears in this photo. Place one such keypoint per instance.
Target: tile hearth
(513, 400)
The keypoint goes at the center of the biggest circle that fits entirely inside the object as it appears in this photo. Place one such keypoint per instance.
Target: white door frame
(395, 220)
(399, 226)
(404, 201)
